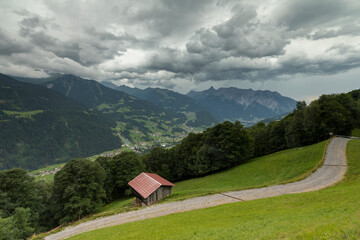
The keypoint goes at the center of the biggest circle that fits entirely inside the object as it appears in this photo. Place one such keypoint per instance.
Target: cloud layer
(173, 43)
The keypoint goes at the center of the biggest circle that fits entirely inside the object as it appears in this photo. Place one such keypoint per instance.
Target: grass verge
(355, 132)
(332, 213)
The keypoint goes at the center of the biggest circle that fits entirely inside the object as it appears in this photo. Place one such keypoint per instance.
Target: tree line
(83, 186)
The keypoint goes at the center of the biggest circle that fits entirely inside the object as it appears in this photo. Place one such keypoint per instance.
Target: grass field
(356, 132)
(50, 178)
(47, 178)
(281, 167)
(122, 203)
(27, 114)
(332, 213)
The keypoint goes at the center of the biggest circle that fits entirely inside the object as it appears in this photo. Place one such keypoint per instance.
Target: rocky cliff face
(245, 105)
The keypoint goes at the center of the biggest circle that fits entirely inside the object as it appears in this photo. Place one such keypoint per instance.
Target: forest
(82, 186)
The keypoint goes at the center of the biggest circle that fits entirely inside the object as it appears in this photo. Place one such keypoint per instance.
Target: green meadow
(21, 114)
(277, 168)
(332, 213)
(47, 178)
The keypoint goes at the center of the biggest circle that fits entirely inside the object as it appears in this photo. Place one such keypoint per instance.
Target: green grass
(46, 178)
(19, 114)
(122, 203)
(332, 213)
(355, 132)
(281, 167)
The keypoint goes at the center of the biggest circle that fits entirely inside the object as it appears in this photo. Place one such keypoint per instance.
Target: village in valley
(159, 139)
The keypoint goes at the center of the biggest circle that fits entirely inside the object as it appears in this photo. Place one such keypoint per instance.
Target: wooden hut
(149, 188)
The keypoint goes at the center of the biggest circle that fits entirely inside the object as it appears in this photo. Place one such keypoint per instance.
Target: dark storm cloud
(9, 46)
(309, 13)
(162, 42)
(242, 35)
(325, 66)
(167, 17)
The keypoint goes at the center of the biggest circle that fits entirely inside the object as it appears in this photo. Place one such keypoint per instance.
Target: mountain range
(244, 105)
(233, 104)
(137, 119)
(50, 120)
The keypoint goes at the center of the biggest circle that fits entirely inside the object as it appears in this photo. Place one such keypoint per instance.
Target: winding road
(331, 172)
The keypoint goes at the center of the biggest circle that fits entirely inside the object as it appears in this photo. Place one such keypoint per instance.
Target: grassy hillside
(284, 166)
(332, 213)
(280, 167)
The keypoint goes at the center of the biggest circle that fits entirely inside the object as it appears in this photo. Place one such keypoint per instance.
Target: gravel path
(332, 171)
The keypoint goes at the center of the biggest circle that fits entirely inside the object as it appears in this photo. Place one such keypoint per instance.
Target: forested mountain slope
(138, 120)
(164, 98)
(173, 101)
(38, 126)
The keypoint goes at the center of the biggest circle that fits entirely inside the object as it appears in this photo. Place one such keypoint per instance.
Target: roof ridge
(153, 179)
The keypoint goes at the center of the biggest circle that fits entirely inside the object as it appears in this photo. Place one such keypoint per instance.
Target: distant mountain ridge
(164, 98)
(138, 120)
(174, 102)
(210, 106)
(245, 105)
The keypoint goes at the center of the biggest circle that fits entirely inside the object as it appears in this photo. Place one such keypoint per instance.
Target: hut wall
(167, 191)
(159, 194)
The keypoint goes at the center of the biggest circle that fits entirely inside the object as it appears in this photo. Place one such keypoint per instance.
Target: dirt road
(332, 171)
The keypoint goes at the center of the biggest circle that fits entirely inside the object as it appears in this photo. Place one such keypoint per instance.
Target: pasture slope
(331, 213)
(332, 171)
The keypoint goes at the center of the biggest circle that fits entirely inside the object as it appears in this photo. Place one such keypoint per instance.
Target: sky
(300, 48)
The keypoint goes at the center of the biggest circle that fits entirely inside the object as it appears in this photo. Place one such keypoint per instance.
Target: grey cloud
(343, 49)
(166, 17)
(308, 13)
(32, 23)
(43, 40)
(346, 57)
(123, 40)
(349, 29)
(92, 49)
(248, 40)
(9, 46)
(241, 35)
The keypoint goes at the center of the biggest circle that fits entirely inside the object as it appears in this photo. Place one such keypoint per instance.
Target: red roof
(147, 183)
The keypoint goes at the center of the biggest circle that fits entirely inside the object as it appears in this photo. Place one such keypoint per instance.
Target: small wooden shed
(149, 188)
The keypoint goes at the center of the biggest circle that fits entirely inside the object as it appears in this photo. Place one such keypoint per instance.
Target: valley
(126, 121)
(148, 118)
